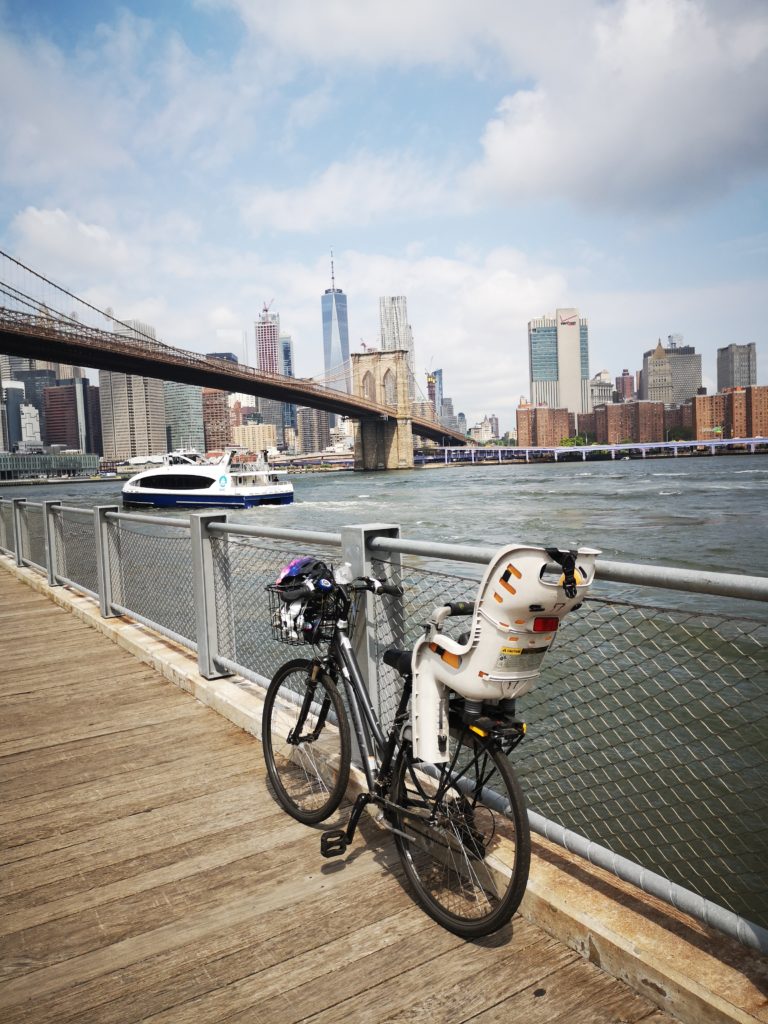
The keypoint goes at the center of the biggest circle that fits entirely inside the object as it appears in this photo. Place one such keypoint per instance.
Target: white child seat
(503, 655)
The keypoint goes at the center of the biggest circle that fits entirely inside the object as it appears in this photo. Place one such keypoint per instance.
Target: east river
(699, 513)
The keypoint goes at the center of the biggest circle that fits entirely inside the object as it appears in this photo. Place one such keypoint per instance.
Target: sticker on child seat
(509, 658)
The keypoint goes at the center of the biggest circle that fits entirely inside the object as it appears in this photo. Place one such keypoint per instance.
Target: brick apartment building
(217, 422)
(641, 422)
(736, 412)
(539, 426)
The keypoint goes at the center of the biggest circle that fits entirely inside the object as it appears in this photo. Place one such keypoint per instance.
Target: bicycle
(440, 775)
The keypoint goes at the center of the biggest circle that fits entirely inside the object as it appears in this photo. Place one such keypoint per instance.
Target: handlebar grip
(461, 607)
(297, 593)
(391, 588)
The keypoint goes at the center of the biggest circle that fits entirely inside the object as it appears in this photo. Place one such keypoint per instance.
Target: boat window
(176, 482)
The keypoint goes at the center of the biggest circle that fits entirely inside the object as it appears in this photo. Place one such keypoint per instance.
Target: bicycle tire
(308, 778)
(467, 863)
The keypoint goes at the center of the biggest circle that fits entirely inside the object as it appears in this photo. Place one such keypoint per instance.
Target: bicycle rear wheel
(462, 834)
(307, 748)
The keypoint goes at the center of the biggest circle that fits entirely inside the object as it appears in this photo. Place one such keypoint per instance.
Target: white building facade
(558, 352)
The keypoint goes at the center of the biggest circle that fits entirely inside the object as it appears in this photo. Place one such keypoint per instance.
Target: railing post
(103, 558)
(354, 546)
(49, 530)
(20, 531)
(204, 590)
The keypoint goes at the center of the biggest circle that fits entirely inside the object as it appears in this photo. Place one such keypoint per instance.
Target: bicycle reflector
(545, 623)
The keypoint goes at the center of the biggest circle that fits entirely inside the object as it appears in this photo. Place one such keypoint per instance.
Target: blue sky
(184, 162)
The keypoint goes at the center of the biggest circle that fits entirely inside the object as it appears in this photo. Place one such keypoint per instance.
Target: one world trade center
(335, 337)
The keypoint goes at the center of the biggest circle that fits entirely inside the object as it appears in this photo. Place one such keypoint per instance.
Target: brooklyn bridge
(33, 325)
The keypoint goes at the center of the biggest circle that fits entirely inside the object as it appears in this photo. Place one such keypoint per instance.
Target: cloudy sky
(186, 161)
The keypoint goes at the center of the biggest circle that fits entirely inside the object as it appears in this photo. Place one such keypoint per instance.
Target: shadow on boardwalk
(148, 875)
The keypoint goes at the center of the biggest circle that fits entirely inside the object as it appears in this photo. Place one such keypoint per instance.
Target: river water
(699, 513)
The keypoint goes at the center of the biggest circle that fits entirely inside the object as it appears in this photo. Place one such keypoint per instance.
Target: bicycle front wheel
(307, 748)
(461, 829)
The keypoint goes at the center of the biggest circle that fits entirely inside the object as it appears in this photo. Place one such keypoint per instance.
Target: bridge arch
(386, 441)
(389, 383)
(369, 386)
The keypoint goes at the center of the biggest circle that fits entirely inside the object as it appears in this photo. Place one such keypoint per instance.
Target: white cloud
(54, 124)
(357, 192)
(667, 104)
(628, 104)
(131, 106)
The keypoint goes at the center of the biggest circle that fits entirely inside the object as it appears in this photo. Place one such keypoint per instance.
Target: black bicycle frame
(367, 728)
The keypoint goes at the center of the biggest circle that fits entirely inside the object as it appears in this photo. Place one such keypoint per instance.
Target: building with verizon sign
(558, 349)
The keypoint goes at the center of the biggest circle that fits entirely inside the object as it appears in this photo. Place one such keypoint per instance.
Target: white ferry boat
(187, 479)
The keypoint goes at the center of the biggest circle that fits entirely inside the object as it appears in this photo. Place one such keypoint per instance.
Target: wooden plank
(82, 802)
(152, 877)
(220, 957)
(580, 993)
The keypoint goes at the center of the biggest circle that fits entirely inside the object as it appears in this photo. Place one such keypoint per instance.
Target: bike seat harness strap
(566, 559)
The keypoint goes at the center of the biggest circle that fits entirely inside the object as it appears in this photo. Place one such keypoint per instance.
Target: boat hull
(181, 500)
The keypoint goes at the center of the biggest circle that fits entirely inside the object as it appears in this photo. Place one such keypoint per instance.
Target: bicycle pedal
(333, 842)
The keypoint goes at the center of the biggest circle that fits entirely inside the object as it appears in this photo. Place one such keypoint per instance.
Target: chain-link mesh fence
(151, 574)
(33, 534)
(648, 729)
(76, 548)
(648, 734)
(6, 527)
(242, 570)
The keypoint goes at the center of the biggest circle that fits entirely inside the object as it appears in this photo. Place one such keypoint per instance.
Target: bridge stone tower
(384, 442)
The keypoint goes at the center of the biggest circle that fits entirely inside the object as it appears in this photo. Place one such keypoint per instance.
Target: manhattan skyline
(492, 163)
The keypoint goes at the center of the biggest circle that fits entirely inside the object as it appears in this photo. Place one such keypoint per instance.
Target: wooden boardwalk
(148, 875)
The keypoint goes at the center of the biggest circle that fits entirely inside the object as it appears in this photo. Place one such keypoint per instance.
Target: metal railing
(648, 730)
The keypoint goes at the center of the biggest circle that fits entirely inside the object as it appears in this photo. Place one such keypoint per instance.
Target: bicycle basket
(308, 621)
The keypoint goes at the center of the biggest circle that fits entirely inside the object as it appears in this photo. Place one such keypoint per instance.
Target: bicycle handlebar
(376, 586)
(461, 607)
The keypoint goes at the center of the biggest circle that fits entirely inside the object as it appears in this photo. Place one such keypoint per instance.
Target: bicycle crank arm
(334, 841)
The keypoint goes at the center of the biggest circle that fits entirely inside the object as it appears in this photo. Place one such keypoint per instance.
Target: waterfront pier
(148, 873)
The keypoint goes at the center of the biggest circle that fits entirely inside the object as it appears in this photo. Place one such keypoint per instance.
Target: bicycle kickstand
(335, 841)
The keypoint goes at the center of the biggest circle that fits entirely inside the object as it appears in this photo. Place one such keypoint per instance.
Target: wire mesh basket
(308, 621)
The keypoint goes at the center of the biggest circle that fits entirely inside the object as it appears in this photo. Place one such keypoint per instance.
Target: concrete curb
(681, 965)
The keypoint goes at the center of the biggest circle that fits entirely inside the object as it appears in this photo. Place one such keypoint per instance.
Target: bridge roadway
(148, 875)
(24, 334)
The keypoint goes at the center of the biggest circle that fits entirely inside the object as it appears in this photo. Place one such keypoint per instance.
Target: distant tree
(572, 442)
(681, 434)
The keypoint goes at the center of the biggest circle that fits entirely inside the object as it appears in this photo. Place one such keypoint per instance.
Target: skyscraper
(269, 359)
(286, 368)
(656, 378)
(396, 332)
(72, 415)
(132, 408)
(267, 329)
(625, 386)
(217, 422)
(314, 432)
(132, 415)
(736, 366)
(671, 375)
(333, 304)
(183, 416)
(558, 350)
